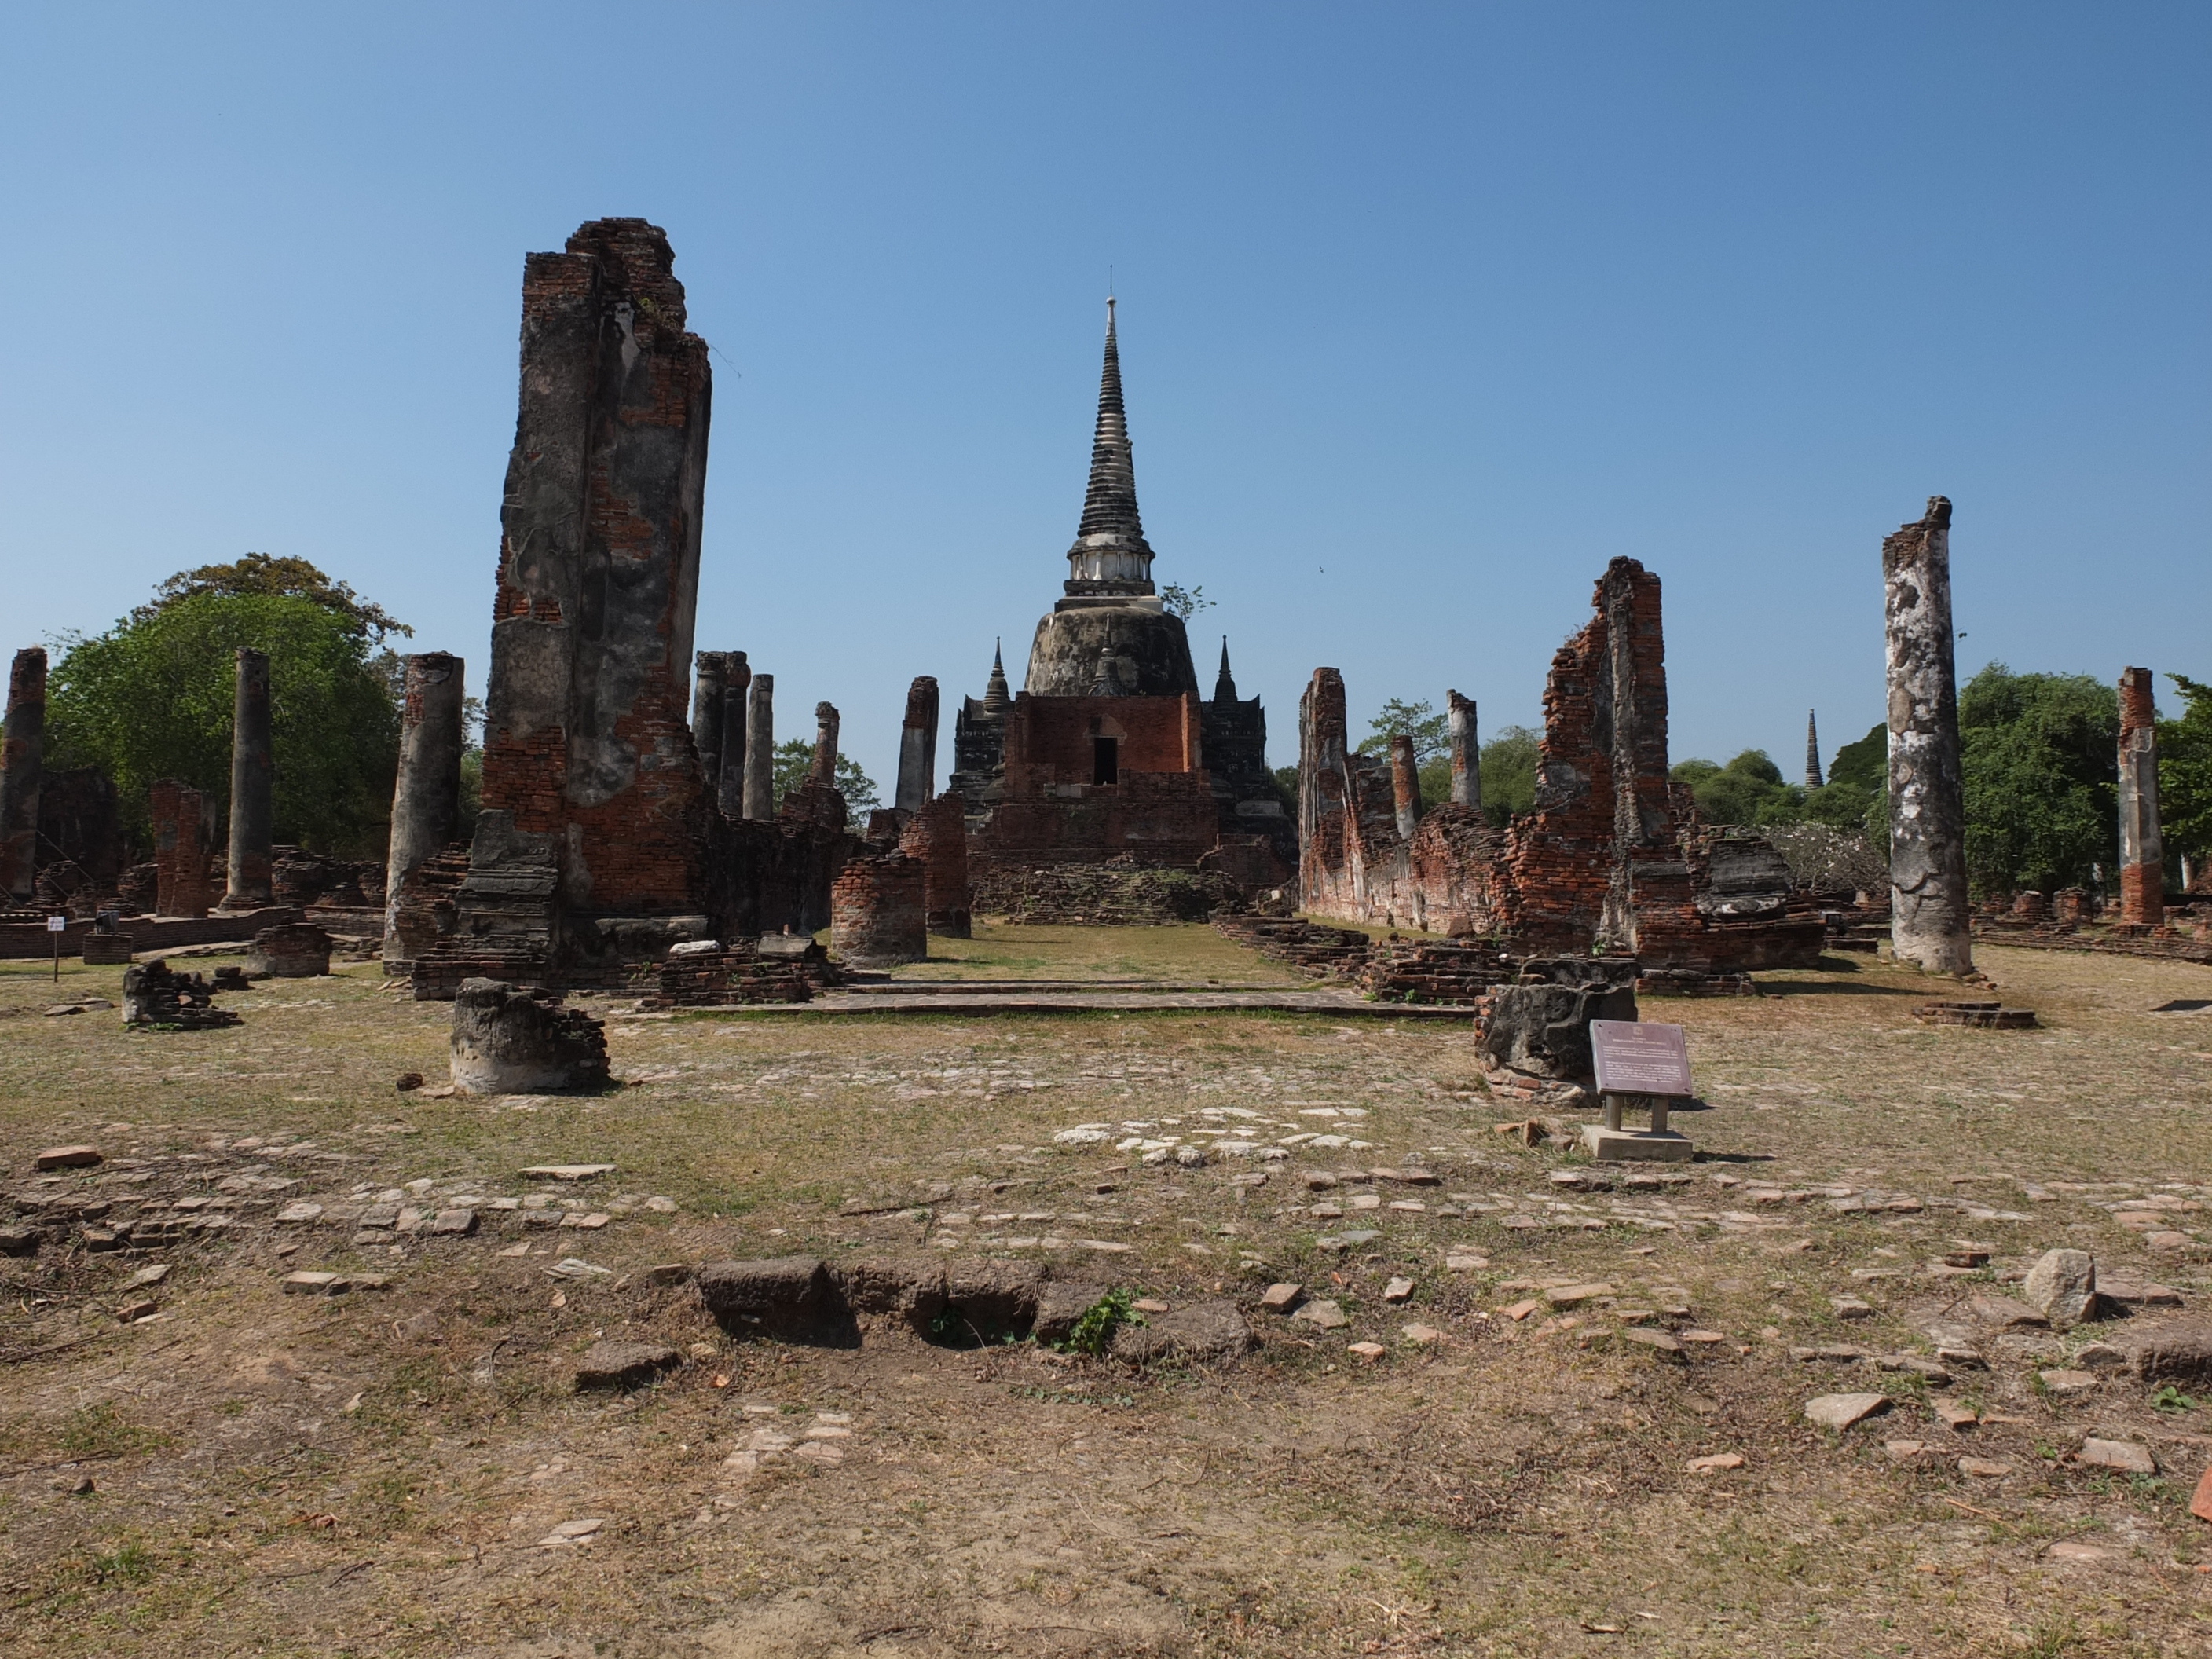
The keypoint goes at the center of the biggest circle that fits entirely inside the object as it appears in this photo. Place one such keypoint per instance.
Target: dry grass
(1502, 1493)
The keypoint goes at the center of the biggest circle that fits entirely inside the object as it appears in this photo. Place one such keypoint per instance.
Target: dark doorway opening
(1104, 761)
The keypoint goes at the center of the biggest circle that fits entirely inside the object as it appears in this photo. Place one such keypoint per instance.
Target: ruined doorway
(1105, 766)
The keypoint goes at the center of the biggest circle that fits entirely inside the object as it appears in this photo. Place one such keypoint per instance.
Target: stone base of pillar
(301, 951)
(107, 950)
(510, 1041)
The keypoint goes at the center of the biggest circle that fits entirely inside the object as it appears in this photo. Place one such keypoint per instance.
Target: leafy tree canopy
(1748, 790)
(2185, 773)
(1184, 603)
(1430, 731)
(794, 759)
(152, 698)
(1509, 773)
(2041, 758)
(1865, 763)
(269, 575)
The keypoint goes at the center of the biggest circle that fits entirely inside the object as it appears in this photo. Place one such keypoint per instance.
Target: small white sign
(57, 924)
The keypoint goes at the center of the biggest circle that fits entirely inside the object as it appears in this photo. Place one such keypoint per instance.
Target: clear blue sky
(1427, 312)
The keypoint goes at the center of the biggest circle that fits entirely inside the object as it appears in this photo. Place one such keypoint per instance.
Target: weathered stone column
(508, 1042)
(823, 773)
(22, 768)
(1929, 906)
(1812, 750)
(1465, 751)
(730, 773)
(760, 747)
(1405, 785)
(880, 911)
(252, 786)
(426, 797)
(709, 674)
(917, 773)
(2142, 851)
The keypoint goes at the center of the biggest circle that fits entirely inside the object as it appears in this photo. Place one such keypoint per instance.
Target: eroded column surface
(823, 773)
(22, 768)
(1929, 906)
(709, 674)
(426, 797)
(730, 773)
(1466, 752)
(760, 747)
(252, 788)
(917, 773)
(1812, 750)
(1405, 785)
(2142, 851)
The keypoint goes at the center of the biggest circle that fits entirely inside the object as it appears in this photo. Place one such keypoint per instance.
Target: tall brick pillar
(760, 747)
(1929, 906)
(938, 836)
(22, 768)
(1812, 750)
(710, 673)
(426, 796)
(1465, 751)
(1405, 785)
(1325, 809)
(2142, 852)
(252, 788)
(591, 782)
(180, 849)
(917, 773)
(730, 768)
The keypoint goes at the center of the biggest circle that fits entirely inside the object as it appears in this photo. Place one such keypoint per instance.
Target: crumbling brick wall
(1607, 859)
(938, 836)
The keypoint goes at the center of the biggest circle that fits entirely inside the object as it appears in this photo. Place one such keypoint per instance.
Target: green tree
(1748, 790)
(794, 759)
(1858, 785)
(1430, 731)
(2040, 763)
(2184, 774)
(1509, 774)
(266, 575)
(152, 698)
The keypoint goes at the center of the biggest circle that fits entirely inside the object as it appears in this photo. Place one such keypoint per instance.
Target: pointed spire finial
(1812, 752)
(996, 697)
(1110, 555)
(1224, 686)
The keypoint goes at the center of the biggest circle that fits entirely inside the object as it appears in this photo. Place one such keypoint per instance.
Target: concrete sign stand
(1645, 1065)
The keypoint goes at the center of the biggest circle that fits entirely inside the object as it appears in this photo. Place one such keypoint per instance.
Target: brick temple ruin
(1612, 860)
(1109, 757)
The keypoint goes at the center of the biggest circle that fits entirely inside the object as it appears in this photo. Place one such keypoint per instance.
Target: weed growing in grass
(1094, 1331)
(128, 1563)
(2167, 1398)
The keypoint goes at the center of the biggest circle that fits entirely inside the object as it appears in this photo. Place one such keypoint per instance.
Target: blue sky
(1427, 312)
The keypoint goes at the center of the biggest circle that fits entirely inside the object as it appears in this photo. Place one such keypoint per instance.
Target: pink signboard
(1637, 1059)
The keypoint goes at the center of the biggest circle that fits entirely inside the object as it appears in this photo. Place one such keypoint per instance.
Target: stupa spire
(1110, 555)
(996, 697)
(1225, 685)
(1812, 749)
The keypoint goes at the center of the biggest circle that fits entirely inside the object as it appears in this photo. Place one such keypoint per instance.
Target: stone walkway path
(1060, 997)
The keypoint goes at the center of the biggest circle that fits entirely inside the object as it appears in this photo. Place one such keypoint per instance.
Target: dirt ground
(409, 1468)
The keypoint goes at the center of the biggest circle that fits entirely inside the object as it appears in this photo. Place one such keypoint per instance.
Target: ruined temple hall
(1108, 752)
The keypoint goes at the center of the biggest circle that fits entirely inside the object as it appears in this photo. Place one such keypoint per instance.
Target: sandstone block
(508, 1042)
(2064, 1285)
(625, 1364)
(1205, 1334)
(68, 1158)
(2123, 1456)
(1840, 1410)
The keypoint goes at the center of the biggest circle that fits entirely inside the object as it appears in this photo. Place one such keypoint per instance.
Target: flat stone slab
(625, 1364)
(1324, 1314)
(1635, 1145)
(1840, 1410)
(567, 1171)
(1337, 1005)
(68, 1158)
(2122, 1456)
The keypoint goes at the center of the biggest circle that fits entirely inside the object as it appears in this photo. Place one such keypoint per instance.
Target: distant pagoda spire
(1812, 752)
(1225, 685)
(996, 697)
(1110, 555)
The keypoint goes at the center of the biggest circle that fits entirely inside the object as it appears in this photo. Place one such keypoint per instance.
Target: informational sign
(1638, 1059)
(57, 924)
